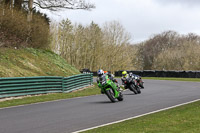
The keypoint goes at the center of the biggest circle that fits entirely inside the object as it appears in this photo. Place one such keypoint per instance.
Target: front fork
(116, 93)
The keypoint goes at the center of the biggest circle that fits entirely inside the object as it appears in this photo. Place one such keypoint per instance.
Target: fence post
(91, 78)
(63, 86)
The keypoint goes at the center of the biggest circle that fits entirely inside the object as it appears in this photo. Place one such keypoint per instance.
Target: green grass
(50, 97)
(26, 62)
(183, 119)
(175, 79)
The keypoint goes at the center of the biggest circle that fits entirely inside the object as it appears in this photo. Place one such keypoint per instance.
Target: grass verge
(28, 62)
(183, 119)
(50, 97)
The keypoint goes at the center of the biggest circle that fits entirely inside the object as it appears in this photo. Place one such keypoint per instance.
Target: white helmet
(131, 74)
(100, 72)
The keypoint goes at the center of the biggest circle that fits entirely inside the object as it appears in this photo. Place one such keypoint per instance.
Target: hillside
(33, 62)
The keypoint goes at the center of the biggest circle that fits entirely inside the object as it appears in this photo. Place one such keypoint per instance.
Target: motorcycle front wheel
(132, 88)
(141, 85)
(138, 90)
(111, 95)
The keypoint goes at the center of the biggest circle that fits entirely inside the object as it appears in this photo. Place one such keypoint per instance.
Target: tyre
(141, 84)
(138, 90)
(120, 98)
(132, 88)
(137, 87)
(110, 93)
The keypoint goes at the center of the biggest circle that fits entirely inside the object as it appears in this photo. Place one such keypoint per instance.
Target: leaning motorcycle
(109, 88)
(139, 82)
(132, 84)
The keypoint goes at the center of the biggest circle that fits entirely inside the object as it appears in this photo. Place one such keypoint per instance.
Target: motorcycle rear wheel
(120, 98)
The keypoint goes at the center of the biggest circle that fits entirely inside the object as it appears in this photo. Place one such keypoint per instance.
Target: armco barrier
(159, 73)
(20, 86)
(155, 73)
(77, 81)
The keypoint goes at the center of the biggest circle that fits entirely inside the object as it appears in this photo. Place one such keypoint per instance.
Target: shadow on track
(101, 102)
(130, 94)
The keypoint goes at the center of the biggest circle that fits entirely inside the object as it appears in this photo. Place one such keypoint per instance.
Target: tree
(94, 47)
(52, 5)
(170, 51)
(116, 38)
(55, 5)
(12, 3)
(66, 39)
(8, 2)
(155, 45)
(94, 36)
(18, 4)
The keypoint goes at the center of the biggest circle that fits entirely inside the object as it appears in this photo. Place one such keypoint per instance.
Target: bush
(15, 31)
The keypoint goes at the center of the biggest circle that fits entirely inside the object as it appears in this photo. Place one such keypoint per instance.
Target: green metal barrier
(20, 86)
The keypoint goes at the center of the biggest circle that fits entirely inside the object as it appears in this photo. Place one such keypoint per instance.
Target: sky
(141, 18)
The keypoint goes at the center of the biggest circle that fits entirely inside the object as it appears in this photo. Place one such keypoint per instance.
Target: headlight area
(103, 82)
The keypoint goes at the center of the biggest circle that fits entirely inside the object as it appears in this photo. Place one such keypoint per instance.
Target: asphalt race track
(80, 113)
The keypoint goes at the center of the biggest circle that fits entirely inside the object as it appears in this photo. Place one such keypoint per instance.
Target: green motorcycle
(109, 88)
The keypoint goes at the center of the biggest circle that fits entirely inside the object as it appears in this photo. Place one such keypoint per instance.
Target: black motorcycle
(140, 83)
(132, 84)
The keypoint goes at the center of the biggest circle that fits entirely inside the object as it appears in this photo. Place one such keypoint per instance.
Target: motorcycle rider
(100, 73)
(125, 75)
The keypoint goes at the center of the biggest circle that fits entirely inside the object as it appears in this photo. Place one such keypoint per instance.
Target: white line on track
(136, 116)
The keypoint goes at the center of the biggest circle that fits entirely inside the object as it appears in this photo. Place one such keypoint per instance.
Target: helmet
(105, 72)
(131, 74)
(100, 72)
(124, 74)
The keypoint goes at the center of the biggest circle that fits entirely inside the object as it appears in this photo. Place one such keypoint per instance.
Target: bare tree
(55, 5)
(18, 4)
(52, 5)
(116, 38)
(170, 51)
(94, 47)
(155, 45)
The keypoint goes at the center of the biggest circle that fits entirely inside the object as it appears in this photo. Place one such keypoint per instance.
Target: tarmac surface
(65, 116)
